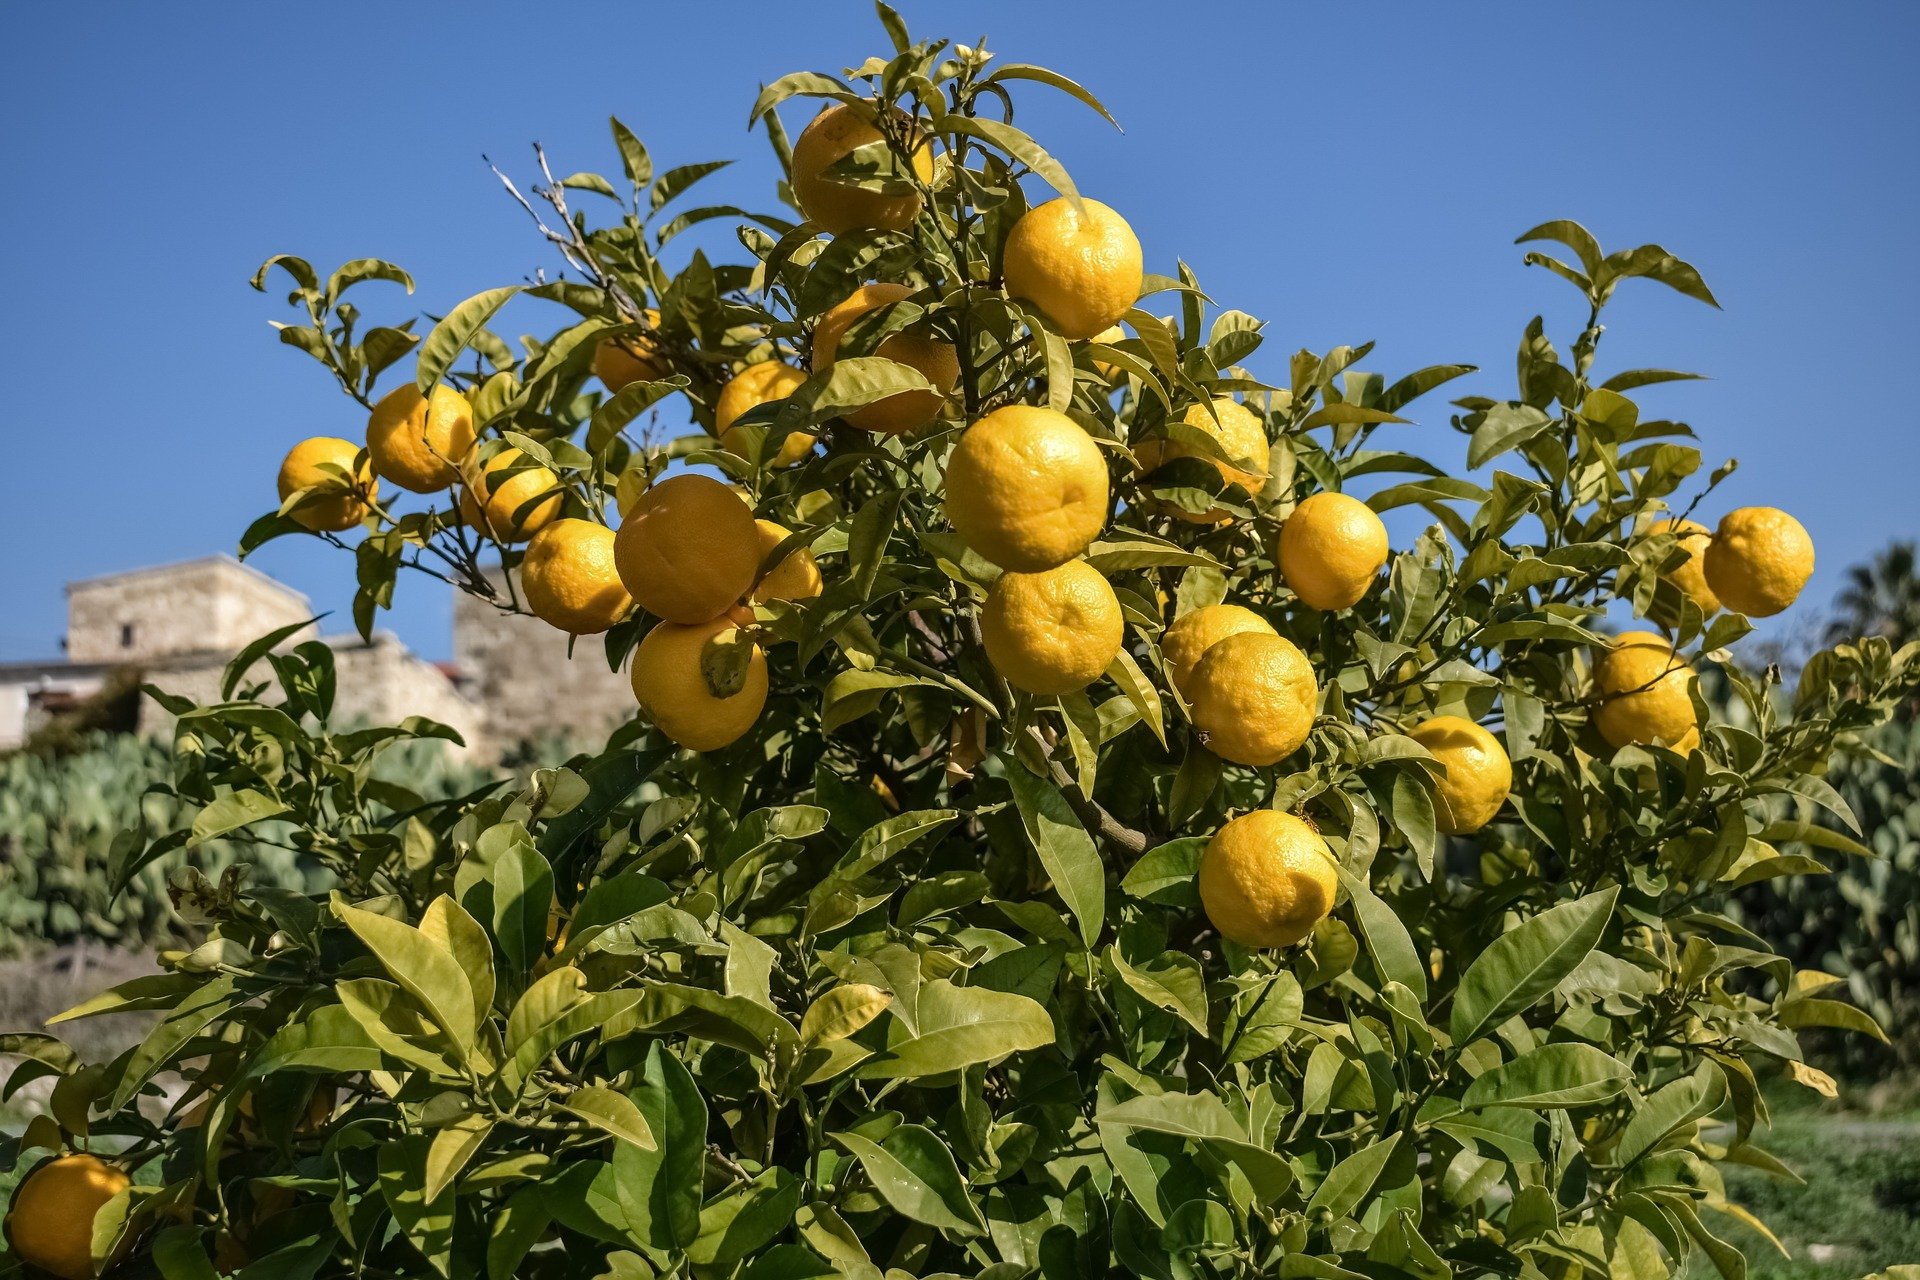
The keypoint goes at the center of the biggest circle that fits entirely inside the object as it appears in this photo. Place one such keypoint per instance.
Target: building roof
(221, 559)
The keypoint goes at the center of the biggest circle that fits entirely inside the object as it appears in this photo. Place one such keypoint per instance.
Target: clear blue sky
(1346, 171)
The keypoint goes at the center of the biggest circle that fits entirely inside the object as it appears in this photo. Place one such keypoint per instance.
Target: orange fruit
(498, 491)
(755, 385)
(1645, 693)
(1331, 549)
(1478, 775)
(835, 207)
(688, 550)
(1027, 488)
(796, 577)
(1052, 632)
(1253, 697)
(671, 681)
(51, 1220)
(1266, 879)
(327, 512)
(1082, 267)
(1194, 632)
(1758, 561)
(570, 579)
(630, 358)
(935, 360)
(417, 441)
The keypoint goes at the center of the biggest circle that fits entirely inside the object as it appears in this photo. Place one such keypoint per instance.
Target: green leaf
(1016, 144)
(741, 1220)
(613, 1112)
(957, 1027)
(1667, 1109)
(1572, 235)
(1065, 848)
(363, 269)
(1504, 427)
(1174, 982)
(1125, 671)
(1349, 1183)
(1041, 75)
(1166, 874)
(427, 1222)
(428, 972)
(808, 83)
(233, 811)
(1524, 964)
(453, 1146)
(1551, 1077)
(853, 383)
(1387, 939)
(1831, 1013)
(1203, 1118)
(187, 1020)
(841, 1011)
(915, 1173)
(659, 1190)
(454, 334)
(522, 899)
(634, 160)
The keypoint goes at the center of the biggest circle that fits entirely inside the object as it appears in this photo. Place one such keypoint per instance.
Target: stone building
(177, 626)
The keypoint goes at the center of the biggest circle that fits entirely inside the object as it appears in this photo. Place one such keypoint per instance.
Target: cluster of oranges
(1027, 489)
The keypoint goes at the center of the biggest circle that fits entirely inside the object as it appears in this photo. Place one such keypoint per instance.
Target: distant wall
(519, 673)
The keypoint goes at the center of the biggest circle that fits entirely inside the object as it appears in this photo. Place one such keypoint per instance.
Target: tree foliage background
(913, 979)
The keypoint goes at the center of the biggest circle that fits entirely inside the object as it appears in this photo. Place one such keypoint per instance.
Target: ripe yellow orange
(835, 207)
(796, 577)
(1052, 632)
(1266, 879)
(935, 360)
(1691, 576)
(496, 492)
(1253, 698)
(417, 441)
(302, 470)
(1027, 488)
(630, 358)
(570, 579)
(1082, 267)
(671, 682)
(1198, 630)
(1758, 560)
(688, 550)
(1331, 550)
(1241, 435)
(51, 1219)
(1644, 693)
(755, 385)
(1478, 775)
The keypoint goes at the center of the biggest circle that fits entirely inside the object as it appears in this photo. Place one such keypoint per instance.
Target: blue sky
(1347, 172)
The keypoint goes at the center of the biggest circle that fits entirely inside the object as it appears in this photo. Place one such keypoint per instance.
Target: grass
(1858, 1213)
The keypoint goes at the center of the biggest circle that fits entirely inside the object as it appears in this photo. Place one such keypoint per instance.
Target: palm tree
(1880, 599)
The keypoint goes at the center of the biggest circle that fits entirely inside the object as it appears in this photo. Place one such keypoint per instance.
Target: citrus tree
(1059, 834)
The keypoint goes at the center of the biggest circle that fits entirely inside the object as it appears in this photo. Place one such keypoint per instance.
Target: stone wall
(519, 673)
(213, 605)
